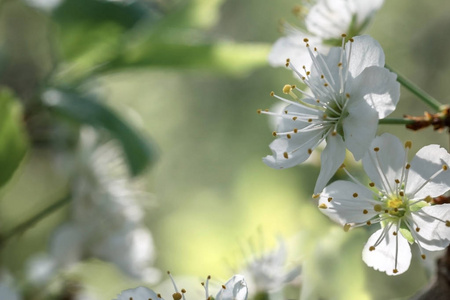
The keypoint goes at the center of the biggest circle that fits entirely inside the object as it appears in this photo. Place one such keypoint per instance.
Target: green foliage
(13, 140)
(85, 109)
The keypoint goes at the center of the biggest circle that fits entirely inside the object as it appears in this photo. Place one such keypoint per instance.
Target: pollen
(285, 155)
(394, 233)
(322, 77)
(295, 130)
(340, 64)
(272, 94)
(323, 206)
(444, 167)
(377, 207)
(407, 166)
(286, 112)
(288, 136)
(287, 89)
(365, 212)
(371, 248)
(330, 199)
(368, 223)
(417, 229)
(447, 223)
(294, 118)
(423, 256)
(344, 35)
(325, 84)
(355, 195)
(408, 144)
(315, 196)
(259, 111)
(401, 194)
(351, 40)
(309, 120)
(177, 296)
(305, 40)
(376, 149)
(347, 227)
(274, 133)
(397, 181)
(395, 271)
(371, 184)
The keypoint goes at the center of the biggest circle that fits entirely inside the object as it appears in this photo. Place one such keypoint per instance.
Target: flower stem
(22, 227)
(396, 121)
(413, 88)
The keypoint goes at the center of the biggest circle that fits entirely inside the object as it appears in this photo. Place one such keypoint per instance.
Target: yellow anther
(307, 45)
(347, 227)
(259, 111)
(344, 35)
(315, 196)
(309, 151)
(285, 155)
(288, 136)
(183, 291)
(325, 84)
(423, 256)
(371, 184)
(351, 40)
(323, 206)
(397, 181)
(444, 167)
(394, 232)
(428, 199)
(408, 144)
(303, 77)
(274, 133)
(401, 194)
(288, 60)
(386, 210)
(305, 40)
(287, 89)
(293, 86)
(266, 110)
(365, 211)
(315, 49)
(295, 130)
(347, 95)
(355, 195)
(395, 271)
(340, 64)
(287, 64)
(322, 77)
(447, 223)
(330, 199)
(272, 94)
(334, 133)
(377, 207)
(376, 149)
(286, 112)
(309, 120)
(224, 287)
(417, 229)
(408, 166)
(342, 166)
(307, 73)
(294, 118)
(177, 296)
(371, 248)
(318, 100)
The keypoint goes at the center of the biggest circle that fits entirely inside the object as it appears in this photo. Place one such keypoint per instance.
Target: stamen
(444, 168)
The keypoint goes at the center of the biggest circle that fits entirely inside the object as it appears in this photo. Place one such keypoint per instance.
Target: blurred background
(174, 85)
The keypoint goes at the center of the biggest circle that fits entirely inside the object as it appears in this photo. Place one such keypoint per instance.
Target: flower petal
(139, 293)
(331, 159)
(292, 47)
(364, 10)
(235, 289)
(433, 235)
(383, 258)
(429, 160)
(389, 160)
(360, 127)
(379, 88)
(346, 202)
(329, 19)
(366, 52)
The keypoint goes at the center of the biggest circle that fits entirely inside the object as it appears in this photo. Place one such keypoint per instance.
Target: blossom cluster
(344, 92)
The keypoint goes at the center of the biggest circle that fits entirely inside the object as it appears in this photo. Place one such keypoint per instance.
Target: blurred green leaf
(86, 109)
(13, 140)
(229, 58)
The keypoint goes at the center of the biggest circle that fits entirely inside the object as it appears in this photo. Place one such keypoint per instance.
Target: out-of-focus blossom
(350, 91)
(7, 289)
(399, 199)
(323, 23)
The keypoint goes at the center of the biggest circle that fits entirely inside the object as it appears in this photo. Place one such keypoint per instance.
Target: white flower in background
(234, 289)
(350, 91)
(7, 289)
(107, 216)
(267, 271)
(398, 199)
(324, 22)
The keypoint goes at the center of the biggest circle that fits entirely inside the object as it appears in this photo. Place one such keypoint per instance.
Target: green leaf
(85, 109)
(229, 58)
(13, 139)
(407, 235)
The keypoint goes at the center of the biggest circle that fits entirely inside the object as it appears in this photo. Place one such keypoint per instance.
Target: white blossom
(323, 24)
(234, 289)
(399, 199)
(350, 91)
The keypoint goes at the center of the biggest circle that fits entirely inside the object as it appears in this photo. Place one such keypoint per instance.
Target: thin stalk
(396, 121)
(21, 228)
(413, 88)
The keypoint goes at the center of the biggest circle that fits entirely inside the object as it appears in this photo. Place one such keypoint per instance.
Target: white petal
(366, 52)
(139, 293)
(329, 19)
(67, 244)
(427, 162)
(364, 10)
(344, 207)
(389, 160)
(433, 235)
(331, 159)
(292, 47)
(383, 257)
(235, 289)
(360, 127)
(379, 88)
